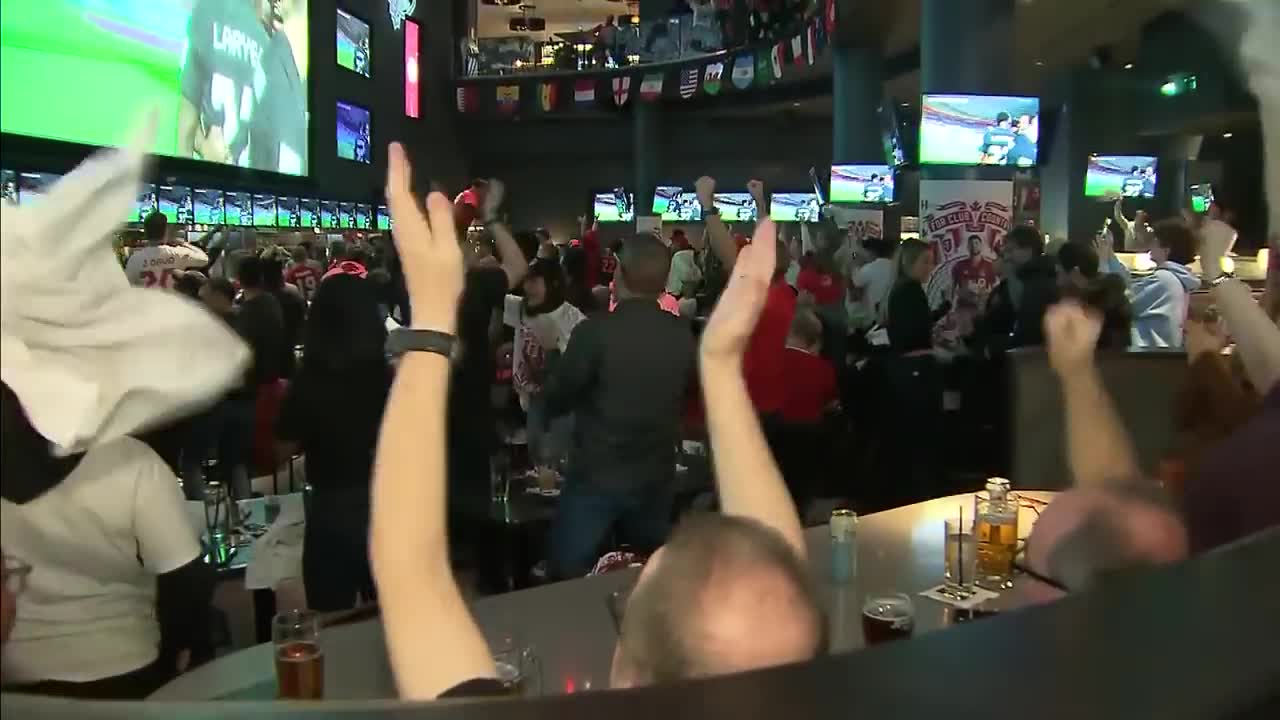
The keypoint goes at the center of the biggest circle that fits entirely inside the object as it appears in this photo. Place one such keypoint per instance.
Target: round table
(569, 625)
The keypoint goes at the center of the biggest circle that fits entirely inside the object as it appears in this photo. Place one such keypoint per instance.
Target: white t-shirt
(153, 265)
(96, 543)
(876, 280)
(526, 348)
(684, 272)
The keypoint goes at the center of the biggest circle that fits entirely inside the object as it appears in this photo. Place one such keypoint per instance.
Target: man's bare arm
(509, 252)
(722, 243)
(747, 477)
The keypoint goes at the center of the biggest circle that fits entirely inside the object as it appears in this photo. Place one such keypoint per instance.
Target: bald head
(725, 595)
(1087, 534)
(645, 265)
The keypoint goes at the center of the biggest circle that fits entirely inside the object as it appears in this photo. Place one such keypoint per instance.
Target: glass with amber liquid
(996, 529)
(299, 658)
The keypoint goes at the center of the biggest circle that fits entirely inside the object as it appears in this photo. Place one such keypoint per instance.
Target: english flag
(584, 92)
(651, 87)
(468, 98)
(797, 49)
(621, 90)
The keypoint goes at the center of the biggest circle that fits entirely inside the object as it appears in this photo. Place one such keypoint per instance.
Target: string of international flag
(756, 68)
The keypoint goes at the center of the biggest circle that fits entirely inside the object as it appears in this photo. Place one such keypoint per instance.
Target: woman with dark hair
(543, 320)
(332, 412)
(577, 291)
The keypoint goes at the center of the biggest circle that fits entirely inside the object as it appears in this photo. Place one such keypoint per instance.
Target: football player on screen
(997, 141)
(242, 101)
(873, 191)
(362, 56)
(1131, 186)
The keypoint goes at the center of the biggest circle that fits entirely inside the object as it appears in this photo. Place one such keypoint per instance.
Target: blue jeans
(587, 514)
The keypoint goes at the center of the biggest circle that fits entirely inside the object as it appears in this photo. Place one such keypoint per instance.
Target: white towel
(89, 357)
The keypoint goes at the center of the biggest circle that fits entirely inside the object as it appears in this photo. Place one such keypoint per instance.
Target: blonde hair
(906, 256)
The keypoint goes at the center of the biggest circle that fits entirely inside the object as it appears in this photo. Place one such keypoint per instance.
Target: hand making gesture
(428, 247)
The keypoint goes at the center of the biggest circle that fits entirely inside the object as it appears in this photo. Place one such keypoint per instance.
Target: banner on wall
(859, 222)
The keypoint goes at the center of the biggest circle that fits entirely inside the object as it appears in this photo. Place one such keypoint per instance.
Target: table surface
(569, 626)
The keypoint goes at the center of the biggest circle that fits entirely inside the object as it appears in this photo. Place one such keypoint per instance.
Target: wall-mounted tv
(736, 206)
(617, 205)
(363, 217)
(309, 210)
(33, 185)
(353, 43)
(209, 206)
(353, 133)
(1201, 197)
(979, 130)
(1131, 176)
(384, 218)
(674, 204)
(9, 186)
(84, 71)
(264, 210)
(145, 204)
(239, 208)
(287, 212)
(328, 215)
(861, 184)
(175, 203)
(795, 207)
(346, 215)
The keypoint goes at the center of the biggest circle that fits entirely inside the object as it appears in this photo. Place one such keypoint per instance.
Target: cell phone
(817, 186)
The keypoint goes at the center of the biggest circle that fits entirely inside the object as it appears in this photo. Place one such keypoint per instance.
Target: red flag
(468, 98)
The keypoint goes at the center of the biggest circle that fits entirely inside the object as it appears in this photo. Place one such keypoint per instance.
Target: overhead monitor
(175, 203)
(309, 211)
(616, 205)
(675, 204)
(861, 184)
(288, 213)
(239, 206)
(1131, 176)
(9, 186)
(264, 210)
(145, 204)
(363, 217)
(346, 215)
(328, 215)
(354, 133)
(795, 207)
(33, 185)
(979, 130)
(384, 218)
(353, 43)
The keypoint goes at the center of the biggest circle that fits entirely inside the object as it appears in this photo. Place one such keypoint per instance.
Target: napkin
(89, 357)
(277, 555)
(980, 595)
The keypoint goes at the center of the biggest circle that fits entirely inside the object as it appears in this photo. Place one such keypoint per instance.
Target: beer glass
(299, 658)
(887, 617)
(961, 556)
(519, 669)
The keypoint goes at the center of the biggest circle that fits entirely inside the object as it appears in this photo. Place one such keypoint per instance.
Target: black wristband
(403, 340)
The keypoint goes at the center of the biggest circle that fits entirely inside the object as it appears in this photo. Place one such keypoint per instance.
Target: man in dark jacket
(1015, 311)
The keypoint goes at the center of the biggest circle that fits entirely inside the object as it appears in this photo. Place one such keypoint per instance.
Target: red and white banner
(621, 90)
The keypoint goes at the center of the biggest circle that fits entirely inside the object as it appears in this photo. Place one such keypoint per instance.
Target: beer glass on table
(518, 667)
(299, 658)
(886, 617)
(961, 555)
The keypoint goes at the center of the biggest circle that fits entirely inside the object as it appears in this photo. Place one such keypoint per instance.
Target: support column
(856, 93)
(646, 149)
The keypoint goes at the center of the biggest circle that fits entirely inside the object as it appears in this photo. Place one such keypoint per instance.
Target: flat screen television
(979, 130)
(1201, 197)
(85, 71)
(353, 133)
(861, 184)
(675, 204)
(1131, 176)
(736, 206)
(145, 204)
(795, 207)
(616, 205)
(353, 43)
(309, 211)
(328, 215)
(210, 206)
(890, 138)
(33, 185)
(9, 186)
(288, 214)
(239, 207)
(384, 218)
(364, 216)
(264, 210)
(346, 215)
(175, 203)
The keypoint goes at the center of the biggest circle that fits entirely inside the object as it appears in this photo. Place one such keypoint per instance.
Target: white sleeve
(161, 522)
(511, 310)
(187, 256)
(859, 277)
(133, 268)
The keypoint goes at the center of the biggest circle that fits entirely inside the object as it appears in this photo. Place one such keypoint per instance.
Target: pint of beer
(299, 658)
(887, 617)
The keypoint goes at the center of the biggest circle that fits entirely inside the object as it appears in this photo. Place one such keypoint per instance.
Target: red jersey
(811, 386)
(763, 364)
(305, 277)
(976, 279)
(591, 252)
(824, 288)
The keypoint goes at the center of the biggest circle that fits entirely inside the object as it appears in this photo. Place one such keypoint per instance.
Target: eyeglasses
(15, 575)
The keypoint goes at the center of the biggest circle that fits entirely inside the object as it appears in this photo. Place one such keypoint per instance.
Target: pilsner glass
(299, 658)
(961, 557)
(887, 617)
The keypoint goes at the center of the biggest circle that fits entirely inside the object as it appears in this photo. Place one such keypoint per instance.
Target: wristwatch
(713, 210)
(404, 340)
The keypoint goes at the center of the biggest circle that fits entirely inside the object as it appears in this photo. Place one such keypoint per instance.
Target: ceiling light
(1128, 66)
(1228, 135)
(1039, 63)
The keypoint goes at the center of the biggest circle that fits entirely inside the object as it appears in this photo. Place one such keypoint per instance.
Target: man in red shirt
(973, 277)
(811, 381)
(303, 273)
(591, 251)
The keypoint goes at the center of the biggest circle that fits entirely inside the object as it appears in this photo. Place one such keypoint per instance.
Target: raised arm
(1098, 445)
(722, 243)
(514, 263)
(1257, 337)
(422, 609)
(747, 477)
(1125, 226)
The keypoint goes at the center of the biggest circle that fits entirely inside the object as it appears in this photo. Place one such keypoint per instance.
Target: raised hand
(1072, 334)
(493, 199)
(756, 188)
(428, 247)
(734, 318)
(705, 187)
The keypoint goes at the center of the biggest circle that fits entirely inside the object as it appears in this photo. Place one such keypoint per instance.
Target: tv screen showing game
(288, 213)
(145, 204)
(264, 210)
(795, 207)
(85, 71)
(617, 205)
(736, 206)
(1201, 197)
(353, 133)
(890, 138)
(209, 207)
(979, 130)
(9, 186)
(33, 185)
(353, 43)
(309, 211)
(239, 206)
(175, 203)
(861, 184)
(364, 219)
(384, 218)
(675, 204)
(1131, 176)
(328, 214)
(346, 215)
